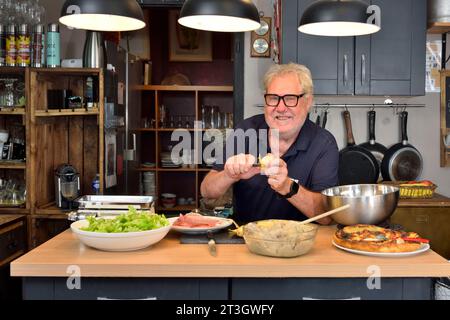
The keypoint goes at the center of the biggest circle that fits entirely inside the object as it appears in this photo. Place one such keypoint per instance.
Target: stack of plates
(168, 162)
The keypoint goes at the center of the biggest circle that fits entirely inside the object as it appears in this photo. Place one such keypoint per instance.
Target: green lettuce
(131, 221)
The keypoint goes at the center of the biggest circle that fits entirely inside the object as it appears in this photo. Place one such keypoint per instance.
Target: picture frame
(186, 44)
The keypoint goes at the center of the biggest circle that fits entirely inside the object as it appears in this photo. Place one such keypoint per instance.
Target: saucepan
(369, 203)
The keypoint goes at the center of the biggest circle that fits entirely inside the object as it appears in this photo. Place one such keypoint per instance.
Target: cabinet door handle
(351, 298)
(345, 70)
(147, 298)
(363, 69)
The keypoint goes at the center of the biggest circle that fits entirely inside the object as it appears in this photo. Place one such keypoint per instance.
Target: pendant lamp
(220, 15)
(102, 15)
(337, 18)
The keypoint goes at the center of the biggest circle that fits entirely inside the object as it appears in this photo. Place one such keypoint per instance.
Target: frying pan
(402, 161)
(324, 118)
(377, 149)
(357, 165)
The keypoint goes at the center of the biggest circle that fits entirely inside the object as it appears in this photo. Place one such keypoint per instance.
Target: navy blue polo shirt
(313, 159)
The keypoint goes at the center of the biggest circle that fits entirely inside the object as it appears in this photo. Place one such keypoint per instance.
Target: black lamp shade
(337, 18)
(220, 15)
(102, 15)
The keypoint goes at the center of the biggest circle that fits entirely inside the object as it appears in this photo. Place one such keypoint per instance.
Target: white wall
(72, 41)
(423, 123)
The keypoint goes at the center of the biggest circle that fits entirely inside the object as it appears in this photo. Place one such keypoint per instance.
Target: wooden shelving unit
(12, 111)
(445, 118)
(65, 112)
(12, 165)
(181, 101)
(439, 27)
(54, 137)
(13, 117)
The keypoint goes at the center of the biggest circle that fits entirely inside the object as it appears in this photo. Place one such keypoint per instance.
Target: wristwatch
(294, 189)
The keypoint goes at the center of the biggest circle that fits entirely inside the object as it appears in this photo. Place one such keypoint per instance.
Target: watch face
(263, 29)
(260, 45)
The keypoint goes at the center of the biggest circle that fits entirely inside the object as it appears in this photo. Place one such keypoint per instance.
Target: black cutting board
(222, 237)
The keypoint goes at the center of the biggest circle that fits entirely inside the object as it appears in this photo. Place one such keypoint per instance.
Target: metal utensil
(211, 244)
(370, 203)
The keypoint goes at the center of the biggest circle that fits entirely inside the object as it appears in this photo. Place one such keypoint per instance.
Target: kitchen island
(170, 270)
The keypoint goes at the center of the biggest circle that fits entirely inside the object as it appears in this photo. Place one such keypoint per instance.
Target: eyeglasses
(290, 100)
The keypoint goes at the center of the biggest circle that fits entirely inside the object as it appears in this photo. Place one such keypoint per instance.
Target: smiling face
(288, 120)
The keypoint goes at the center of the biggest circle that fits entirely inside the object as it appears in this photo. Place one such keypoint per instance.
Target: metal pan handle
(371, 115)
(403, 125)
(348, 128)
(325, 118)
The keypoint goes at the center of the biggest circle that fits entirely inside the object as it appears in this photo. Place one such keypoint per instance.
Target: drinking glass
(180, 122)
(187, 123)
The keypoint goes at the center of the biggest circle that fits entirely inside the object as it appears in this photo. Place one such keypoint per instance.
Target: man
(305, 163)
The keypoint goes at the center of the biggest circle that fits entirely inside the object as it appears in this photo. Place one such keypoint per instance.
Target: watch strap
(294, 189)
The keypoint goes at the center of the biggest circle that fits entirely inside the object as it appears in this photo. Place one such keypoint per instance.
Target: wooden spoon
(326, 214)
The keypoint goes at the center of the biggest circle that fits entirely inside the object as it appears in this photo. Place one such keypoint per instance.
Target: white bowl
(125, 241)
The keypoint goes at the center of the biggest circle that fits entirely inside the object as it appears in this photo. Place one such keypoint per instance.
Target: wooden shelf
(184, 88)
(176, 169)
(51, 210)
(146, 169)
(143, 169)
(13, 165)
(66, 112)
(439, 27)
(176, 208)
(12, 111)
(12, 70)
(17, 210)
(68, 71)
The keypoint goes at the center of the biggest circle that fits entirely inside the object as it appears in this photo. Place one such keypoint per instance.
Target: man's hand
(277, 172)
(241, 167)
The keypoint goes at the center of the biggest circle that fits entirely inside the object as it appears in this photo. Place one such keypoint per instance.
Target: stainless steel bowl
(369, 203)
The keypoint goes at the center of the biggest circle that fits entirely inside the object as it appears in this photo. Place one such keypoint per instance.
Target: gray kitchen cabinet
(126, 289)
(331, 289)
(389, 62)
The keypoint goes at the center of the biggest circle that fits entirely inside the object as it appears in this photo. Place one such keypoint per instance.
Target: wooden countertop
(169, 258)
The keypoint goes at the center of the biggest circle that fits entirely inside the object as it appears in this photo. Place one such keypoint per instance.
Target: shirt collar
(303, 140)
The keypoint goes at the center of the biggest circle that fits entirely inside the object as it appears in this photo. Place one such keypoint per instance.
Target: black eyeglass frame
(299, 96)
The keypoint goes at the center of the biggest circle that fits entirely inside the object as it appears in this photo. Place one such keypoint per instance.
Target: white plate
(223, 223)
(423, 248)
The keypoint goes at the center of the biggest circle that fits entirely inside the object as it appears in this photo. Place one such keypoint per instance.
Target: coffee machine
(67, 186)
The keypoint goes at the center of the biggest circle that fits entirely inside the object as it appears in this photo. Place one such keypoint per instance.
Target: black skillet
(357, 165)
(324, 119)
(377, 149)
(402, 161)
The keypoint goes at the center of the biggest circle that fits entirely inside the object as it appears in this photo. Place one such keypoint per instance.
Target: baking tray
(101, 201)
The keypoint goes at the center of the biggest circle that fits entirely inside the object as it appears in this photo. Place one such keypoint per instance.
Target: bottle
(37, 55)
(96, 184)
(23, 45)
(11, 52)
(2, 45)
(53, 46)
(89, 98)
